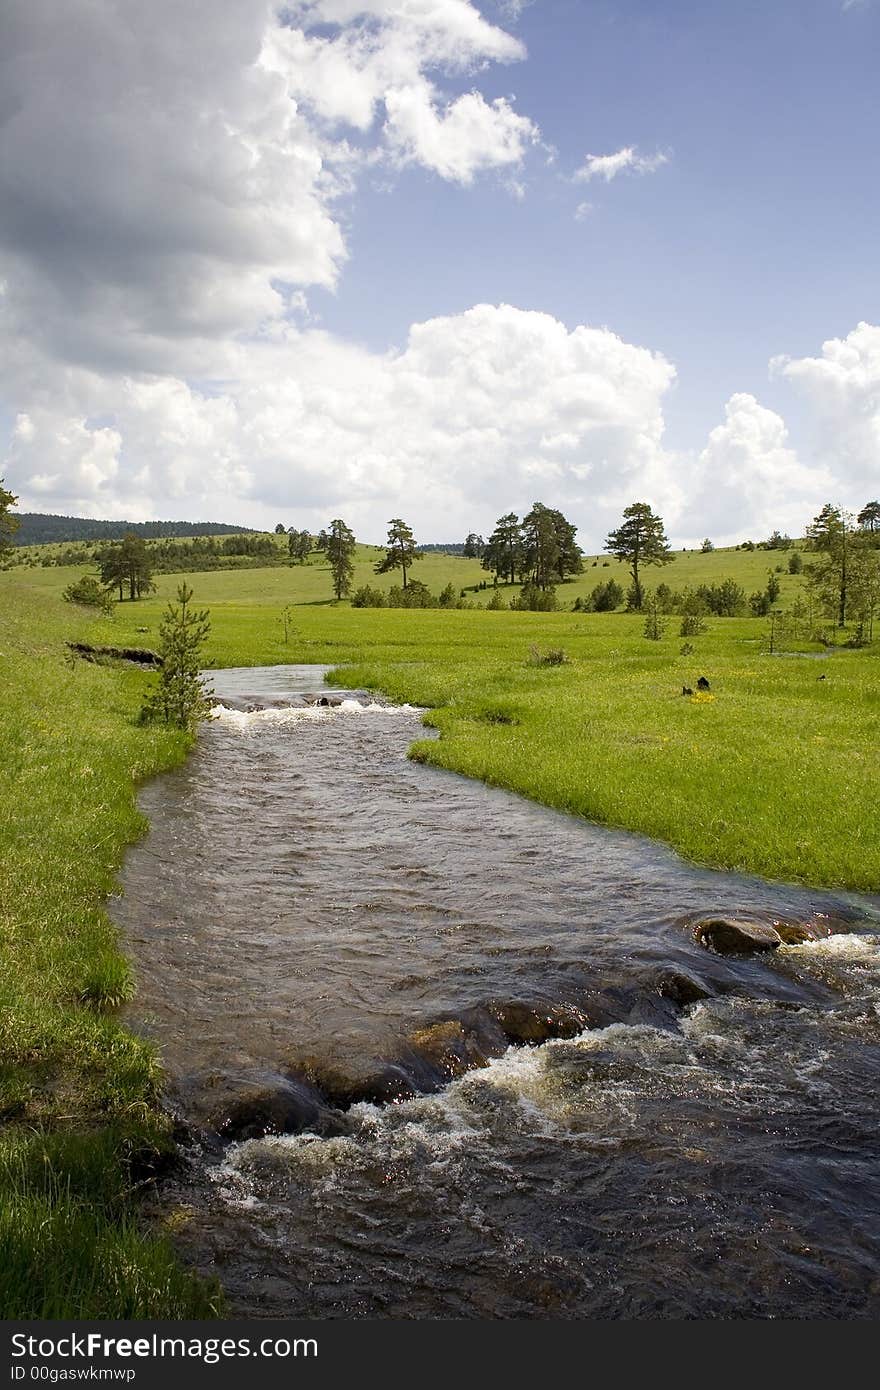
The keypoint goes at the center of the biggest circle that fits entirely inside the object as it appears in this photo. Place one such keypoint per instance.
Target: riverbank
(767, 772)
(82, 1130)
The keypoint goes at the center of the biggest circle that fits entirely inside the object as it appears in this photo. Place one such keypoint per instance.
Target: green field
(770, 774)
(774, 772)
(78, 1094)
(311, 583)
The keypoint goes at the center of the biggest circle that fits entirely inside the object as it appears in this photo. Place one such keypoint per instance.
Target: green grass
(311, 582)
(775, 774)
(772, 775)
(78, 1093)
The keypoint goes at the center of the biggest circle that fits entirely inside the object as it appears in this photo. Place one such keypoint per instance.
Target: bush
(692, 625)
(603, 599)
(554, 656)
(533, 599)
(795, 563)
(415, 595)
(368, 597)
(655, 622)
(725, 600)
(666, 598)
(90, 593)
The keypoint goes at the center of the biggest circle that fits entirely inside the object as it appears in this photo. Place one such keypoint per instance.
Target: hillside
(252, 580)
(42, 528)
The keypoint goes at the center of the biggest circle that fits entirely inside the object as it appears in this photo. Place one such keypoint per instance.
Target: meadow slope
(82, 1130)
(771, 773)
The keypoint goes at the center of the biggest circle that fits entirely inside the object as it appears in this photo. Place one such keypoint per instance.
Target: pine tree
(182, 696)
(127, 563)
(8, 522)
(869, 517)
(640, 540)
(503, 554)
(832, 535)
(401, 552)
(340, 553)
(541, 545)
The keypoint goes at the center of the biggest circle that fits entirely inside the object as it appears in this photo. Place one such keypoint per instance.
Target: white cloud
(842, 391)
(749, 478)
(467, 137)
(170, 174)
(480, 411)
(626, 160)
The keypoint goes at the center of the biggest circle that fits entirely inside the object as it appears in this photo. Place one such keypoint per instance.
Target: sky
(440, 259)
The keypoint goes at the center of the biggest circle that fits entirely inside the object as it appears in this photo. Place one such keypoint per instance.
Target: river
(512, 1082)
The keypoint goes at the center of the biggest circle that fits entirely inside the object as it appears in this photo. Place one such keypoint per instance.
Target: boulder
(680, 987)
(250, 1107)
(794, 933)
(530, 1023)
(735, 936)
(449, 1049)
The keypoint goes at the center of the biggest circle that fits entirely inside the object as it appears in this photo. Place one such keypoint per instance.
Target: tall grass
(79, 1094)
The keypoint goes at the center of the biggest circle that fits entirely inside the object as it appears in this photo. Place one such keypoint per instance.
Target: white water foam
(241, 721)
(845, 946)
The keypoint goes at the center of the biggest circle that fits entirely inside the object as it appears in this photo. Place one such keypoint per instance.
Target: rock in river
(734, 936)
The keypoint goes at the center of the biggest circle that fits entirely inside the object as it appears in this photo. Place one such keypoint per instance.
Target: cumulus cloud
(170, 173)
(841, 388)
(490, 408)
(749, 477)
(626, 160)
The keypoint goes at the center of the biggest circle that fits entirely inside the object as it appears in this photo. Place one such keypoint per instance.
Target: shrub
(533, 599)
(692, 625)
(415, 595)
(368, 597)
(795, 563)
(655, 622)
(667, 599)
(725, 600)
(554, 656)
(89, 592)
(603, 599)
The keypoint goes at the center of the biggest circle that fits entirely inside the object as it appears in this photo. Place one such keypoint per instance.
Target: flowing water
(510, 1082)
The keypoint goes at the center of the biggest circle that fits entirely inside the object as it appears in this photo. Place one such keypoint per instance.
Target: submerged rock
(679, 987)
(532, 1023)
(249, 1107)
(795, 933)
(450, 1048)
(733, 936)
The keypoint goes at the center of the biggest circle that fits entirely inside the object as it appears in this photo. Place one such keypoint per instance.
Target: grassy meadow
(769, 773)
(772, 772)
(81, 1125)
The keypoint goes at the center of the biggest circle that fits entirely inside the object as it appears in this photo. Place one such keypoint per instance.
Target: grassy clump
(78, 1093)
(70, 1244)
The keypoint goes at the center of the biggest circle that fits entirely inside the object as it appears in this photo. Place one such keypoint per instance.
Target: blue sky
(759, 237)
(337, 259)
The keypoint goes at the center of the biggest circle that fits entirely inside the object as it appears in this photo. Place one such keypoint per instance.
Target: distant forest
(39, 528)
